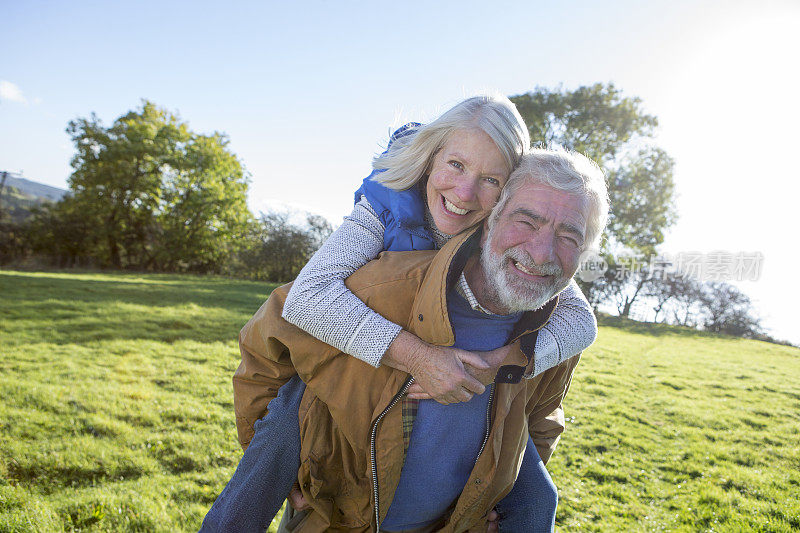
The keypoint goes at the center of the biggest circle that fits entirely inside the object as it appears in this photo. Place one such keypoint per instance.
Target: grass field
(116, 414)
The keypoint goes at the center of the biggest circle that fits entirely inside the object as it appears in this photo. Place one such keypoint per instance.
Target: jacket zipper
(488, 422)
(374, 431)
(372, 452)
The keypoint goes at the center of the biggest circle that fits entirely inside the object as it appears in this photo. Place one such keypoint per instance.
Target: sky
(308, 92)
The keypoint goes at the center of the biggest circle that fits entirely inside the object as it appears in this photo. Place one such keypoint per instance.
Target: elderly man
(373, 459)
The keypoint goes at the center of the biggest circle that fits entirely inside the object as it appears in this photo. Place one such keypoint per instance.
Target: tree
(203, 210)
(158, 195)
(728, 310)
(62, 233)
(611, 129)
(3, 178)
(595, 120)
(614, 131)
(278, 249)
(659, 292)
(686, 292)
(642, 199)
(625, 282)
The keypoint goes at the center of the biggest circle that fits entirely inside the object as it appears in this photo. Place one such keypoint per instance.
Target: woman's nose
(464, 189)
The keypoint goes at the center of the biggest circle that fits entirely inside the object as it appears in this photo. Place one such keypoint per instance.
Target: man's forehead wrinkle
(530, 213)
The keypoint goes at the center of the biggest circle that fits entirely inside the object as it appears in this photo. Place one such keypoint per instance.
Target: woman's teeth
(453, 209)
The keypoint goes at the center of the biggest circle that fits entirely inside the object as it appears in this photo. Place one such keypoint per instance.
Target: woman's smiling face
(465, 180)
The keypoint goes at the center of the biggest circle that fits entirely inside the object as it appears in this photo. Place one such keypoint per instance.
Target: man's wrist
(402, 353)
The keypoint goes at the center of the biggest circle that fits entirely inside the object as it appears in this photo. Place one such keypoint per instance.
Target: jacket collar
(430, 320)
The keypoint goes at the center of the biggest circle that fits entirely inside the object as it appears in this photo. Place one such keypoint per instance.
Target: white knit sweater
(320, 304)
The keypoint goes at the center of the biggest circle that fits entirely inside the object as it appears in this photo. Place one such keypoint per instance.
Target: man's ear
(485, 231)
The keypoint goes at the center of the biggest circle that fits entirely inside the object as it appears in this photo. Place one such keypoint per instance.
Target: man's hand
(438, 370)
(485, 372)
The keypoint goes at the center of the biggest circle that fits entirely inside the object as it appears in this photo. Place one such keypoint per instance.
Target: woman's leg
(531, 504)
(267, 470)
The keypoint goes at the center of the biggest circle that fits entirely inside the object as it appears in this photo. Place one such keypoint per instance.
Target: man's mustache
(524, 259)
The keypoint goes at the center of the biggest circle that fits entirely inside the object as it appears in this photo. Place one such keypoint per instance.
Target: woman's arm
(571, 329)
(320, 304)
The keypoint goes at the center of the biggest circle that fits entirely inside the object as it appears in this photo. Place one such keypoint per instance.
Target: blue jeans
(268, 469)
(531, 504)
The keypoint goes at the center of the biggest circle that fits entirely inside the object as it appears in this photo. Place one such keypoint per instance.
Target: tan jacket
(350, 412)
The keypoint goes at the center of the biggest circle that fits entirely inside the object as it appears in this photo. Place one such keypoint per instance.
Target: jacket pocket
(321, 471)
(328, 469)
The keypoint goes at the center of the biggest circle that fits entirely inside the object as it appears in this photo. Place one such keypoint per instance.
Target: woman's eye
(493, 181)
(457, 164)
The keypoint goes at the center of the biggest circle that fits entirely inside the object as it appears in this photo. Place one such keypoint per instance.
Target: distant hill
(20, 195)
(32, 188)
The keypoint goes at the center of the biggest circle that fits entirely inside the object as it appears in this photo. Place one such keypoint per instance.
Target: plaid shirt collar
(462, 288)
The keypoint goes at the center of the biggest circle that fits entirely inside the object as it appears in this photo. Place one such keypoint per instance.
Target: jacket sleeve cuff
(513, 368)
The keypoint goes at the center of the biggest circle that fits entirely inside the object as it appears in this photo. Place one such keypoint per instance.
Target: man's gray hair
(564, 170)
(410, 157)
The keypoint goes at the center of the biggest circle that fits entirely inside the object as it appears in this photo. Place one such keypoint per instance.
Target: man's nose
(542, 248)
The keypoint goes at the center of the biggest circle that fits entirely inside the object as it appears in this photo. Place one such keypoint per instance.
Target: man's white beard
(514, 293)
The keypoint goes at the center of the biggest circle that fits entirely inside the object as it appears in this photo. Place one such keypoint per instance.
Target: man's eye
(457, 164)
(571, 241)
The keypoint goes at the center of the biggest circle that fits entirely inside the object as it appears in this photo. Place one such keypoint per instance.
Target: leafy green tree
(614, 131)
(642, 195)
(276, 249)
(158, 195)
(203, 210)
(62, 234)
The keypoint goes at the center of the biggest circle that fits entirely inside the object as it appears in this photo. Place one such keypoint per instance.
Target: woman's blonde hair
(409, 157)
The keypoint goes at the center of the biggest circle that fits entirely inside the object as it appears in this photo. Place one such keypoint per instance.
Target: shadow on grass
(654, 329)
(68, 308)
(149, 289)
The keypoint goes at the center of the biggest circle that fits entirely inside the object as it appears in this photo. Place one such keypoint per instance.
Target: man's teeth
(522, 268)
(452, 208)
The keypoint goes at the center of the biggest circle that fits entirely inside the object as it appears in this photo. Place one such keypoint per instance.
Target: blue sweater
(446, 439)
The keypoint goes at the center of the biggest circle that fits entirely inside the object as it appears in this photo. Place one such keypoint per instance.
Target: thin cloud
(11, 93)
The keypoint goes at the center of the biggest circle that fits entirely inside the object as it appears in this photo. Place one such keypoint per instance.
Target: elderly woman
(432, 182)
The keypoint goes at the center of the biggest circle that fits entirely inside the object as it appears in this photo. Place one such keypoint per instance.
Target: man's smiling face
(531, 251)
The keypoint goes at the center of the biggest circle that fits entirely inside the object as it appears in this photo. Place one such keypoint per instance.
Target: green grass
(116, 414)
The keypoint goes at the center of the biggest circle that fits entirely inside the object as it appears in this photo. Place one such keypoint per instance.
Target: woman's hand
(440, 372)
(492, 522)
(297, 500)
(485, 373)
